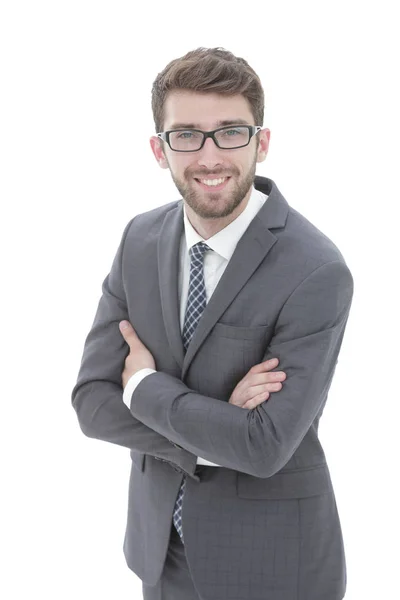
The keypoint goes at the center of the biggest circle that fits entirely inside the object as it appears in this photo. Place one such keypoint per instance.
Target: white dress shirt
(223, 245)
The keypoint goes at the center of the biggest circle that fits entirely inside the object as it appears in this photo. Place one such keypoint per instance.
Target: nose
(210, 155)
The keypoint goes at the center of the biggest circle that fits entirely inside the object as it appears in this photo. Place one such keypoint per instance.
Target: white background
(76, 166)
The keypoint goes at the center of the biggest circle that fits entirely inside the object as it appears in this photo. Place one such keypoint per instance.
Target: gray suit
(265, 525)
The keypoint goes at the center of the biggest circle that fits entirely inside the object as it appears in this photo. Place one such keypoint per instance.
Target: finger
(128, 333)
(259, 399)
(266, 365)
(256, 390)
(255, 379)
(271, 377)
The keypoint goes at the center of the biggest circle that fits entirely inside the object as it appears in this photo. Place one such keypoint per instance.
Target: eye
(184, 134)
(232, 131)
(187, 135)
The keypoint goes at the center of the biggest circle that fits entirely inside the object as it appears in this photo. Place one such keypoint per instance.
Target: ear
(158, 152)
(262, 151)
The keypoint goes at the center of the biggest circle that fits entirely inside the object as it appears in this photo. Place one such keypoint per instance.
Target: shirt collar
(224, 242)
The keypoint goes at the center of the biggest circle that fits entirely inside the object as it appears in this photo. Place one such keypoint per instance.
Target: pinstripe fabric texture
(196, 303)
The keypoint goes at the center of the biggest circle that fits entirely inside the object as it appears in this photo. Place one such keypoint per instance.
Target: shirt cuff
(133, 382)
(130, 387)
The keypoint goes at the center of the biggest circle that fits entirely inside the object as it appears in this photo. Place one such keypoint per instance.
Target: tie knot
(198, 250)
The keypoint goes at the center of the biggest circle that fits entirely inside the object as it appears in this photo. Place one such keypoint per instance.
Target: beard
(210, 205)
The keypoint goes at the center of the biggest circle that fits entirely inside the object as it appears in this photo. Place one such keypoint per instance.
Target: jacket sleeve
(307, 339)
(97, 394)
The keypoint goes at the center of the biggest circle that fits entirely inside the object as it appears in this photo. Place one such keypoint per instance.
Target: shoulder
(302, 249)
(306, 239)
(151, 220)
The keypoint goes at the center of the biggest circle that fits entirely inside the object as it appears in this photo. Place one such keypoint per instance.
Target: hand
(255, 387)
(138, 358)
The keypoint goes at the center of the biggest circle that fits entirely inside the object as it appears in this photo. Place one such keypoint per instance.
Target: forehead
(185, 108)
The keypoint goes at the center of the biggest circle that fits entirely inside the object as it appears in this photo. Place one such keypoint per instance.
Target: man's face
(193, 110)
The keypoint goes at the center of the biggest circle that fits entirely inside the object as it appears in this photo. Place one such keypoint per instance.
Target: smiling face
(206, 111)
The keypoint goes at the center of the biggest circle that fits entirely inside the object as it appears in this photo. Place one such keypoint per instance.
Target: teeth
(213, 181)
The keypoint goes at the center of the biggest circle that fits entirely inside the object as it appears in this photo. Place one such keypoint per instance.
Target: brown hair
(212, 70)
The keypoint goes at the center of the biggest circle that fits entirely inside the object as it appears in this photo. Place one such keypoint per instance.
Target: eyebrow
(217, 124)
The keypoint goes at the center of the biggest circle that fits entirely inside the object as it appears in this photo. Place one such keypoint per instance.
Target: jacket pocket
(296, 483)
(257, 332)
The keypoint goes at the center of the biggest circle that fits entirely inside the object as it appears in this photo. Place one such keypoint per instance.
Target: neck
(206, 228)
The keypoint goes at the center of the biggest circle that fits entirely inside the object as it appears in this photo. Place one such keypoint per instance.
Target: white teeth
(213, 181)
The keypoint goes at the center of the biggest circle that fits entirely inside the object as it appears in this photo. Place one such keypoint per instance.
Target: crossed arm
(261, 441)
(307, 340)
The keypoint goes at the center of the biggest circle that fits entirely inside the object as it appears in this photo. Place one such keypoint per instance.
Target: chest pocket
(226, 356)
(257, 332)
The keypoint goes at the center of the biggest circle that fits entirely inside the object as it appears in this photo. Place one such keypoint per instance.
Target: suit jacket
(265, 524)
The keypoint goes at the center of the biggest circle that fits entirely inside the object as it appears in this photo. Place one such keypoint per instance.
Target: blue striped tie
(196, 303)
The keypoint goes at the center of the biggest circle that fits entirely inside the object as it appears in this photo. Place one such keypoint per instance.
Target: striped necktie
(196, 303)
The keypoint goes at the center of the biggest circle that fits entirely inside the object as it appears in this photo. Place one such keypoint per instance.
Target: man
(230, 495)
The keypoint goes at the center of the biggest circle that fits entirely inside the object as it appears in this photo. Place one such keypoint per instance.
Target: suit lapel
(168, 265)
(251, 249)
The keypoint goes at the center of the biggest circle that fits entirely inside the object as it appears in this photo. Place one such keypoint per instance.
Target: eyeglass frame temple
(253, 129)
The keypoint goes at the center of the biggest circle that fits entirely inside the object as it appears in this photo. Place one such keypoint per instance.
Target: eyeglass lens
(192, 140)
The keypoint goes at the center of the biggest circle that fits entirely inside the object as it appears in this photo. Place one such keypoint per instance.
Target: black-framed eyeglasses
(226, 138)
